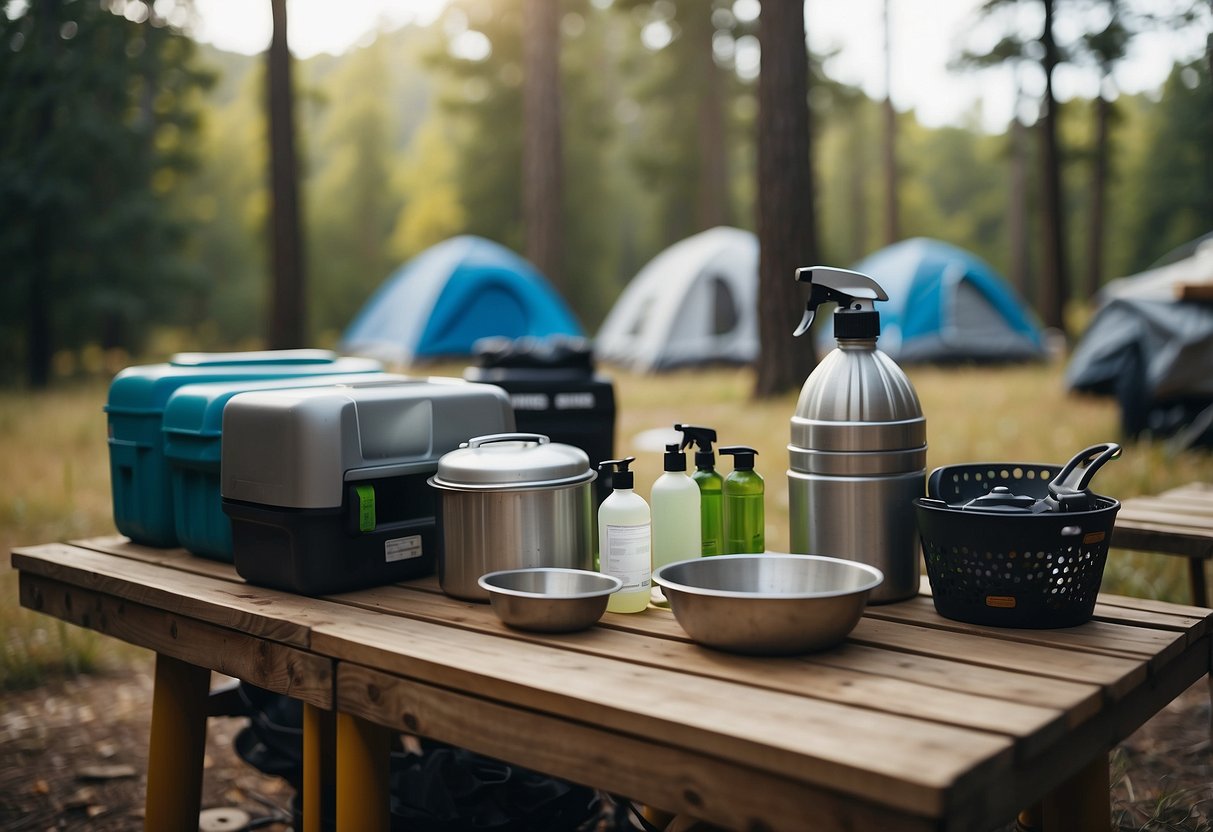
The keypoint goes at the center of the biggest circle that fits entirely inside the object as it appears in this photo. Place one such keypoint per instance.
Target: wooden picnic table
(1175, 522)
(915, 723)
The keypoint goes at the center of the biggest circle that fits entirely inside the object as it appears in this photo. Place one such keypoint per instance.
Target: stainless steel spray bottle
(858, 450)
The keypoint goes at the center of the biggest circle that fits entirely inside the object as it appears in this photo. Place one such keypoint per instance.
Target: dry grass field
(54, 469)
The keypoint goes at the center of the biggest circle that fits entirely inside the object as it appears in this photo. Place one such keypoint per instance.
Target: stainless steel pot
(511, 501)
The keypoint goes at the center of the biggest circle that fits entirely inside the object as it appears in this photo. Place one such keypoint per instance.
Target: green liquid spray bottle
(744, 511)
(711, 487)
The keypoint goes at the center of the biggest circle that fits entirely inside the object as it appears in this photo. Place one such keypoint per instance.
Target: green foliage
(405, 143)
(227, 203)
(1176, 174)
(433, 212)
(481, 108)
(350, 214)
(100, 113)
(483, 100)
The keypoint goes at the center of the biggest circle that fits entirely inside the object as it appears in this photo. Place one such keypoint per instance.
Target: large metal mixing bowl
(768, 604)
(549, 599)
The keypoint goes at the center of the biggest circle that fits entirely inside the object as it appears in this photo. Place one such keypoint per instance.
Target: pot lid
(512, 460)
(1001, 499)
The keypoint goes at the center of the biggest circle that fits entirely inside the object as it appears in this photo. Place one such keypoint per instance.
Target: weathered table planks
(1175, 522)
(915, 723)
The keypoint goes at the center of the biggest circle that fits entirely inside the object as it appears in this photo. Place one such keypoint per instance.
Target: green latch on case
(366, 507)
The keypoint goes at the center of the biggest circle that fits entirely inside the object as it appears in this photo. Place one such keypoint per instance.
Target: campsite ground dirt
(73, 756)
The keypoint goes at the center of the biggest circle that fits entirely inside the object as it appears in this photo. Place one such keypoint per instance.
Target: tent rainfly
(1153, 350)
(449, 296)
(694, 303)
(946, 304)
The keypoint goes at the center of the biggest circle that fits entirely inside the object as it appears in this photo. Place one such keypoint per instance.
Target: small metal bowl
(549, 599)
(768, 604)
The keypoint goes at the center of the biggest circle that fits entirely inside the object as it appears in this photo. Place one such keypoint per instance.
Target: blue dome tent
(449, 296)
(946, 304)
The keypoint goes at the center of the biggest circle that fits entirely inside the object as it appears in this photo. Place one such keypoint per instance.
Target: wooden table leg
(1083, 803)
(1196, 576)
(319, 765)
(363, 749)
(177, 745)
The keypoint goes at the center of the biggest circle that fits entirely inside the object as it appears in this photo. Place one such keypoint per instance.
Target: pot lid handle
(1002, 499)
(1069, 489)
(477, 441)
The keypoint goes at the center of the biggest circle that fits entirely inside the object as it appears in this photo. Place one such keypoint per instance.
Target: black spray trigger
(818, 295)
(810, 312)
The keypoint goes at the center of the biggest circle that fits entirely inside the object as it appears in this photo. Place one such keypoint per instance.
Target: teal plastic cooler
(139, 475)
(193, 427)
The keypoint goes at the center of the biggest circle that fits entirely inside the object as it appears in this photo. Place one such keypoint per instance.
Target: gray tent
(1149, 349)
(694, 303)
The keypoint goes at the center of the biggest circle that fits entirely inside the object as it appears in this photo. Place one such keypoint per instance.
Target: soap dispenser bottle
(711, 484)
(858, 443)
(675, 502)
(744, 510)
(624, 539)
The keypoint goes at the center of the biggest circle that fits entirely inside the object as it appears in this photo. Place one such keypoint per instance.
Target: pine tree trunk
(542, 196)
(858, 202)
(38, 341)
(712, 192)
(1054, 284)
(787, 236)
(1017, 219)
(288, 309)
(1099, 184)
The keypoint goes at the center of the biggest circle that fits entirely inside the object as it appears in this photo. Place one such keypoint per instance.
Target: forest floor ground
(73, 756)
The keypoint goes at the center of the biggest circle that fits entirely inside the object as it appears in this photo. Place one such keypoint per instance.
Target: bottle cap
(743, 456)
(860, 324)
(621, 477)
(675, 459)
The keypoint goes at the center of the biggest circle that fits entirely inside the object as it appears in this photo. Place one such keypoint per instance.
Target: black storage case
(554, 391)
(327, 487)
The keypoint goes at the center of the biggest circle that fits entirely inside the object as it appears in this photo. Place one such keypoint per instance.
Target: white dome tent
(694, 303)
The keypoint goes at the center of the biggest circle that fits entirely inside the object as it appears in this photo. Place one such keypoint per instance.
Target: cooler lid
(512, 460)
(197, 409)
(146, 389)
(296, 448)
(224, 359)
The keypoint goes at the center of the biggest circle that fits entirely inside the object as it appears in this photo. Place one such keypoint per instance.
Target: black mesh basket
(1010, 569)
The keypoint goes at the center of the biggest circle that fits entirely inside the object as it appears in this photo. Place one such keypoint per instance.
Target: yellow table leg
(177, 745)
(363, 749)
(319, 765)
(1083, 803)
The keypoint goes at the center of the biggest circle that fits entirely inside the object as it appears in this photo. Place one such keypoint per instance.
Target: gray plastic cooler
(326, 487)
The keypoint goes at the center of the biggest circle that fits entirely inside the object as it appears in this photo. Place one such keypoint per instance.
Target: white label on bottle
(402, 548)
(629, 556)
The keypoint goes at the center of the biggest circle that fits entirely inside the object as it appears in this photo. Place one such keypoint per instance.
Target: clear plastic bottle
(625, 539)
(675, 503)
(711, 485)
(744, 509)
